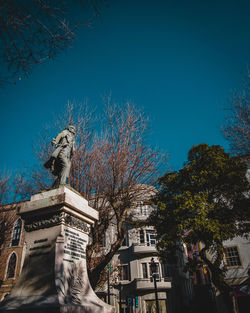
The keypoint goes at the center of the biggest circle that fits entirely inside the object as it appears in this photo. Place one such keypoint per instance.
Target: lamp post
(108, 288)
(120, 297)
(153, 268)
(109, 270)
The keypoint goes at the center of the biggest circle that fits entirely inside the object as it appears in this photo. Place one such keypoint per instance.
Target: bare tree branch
(112, 168)
(32, 32)
(237, 129)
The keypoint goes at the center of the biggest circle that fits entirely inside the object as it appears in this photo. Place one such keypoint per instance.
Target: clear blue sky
(179, 60)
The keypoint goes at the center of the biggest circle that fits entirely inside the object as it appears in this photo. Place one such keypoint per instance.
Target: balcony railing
(143, 248)
(148, 284)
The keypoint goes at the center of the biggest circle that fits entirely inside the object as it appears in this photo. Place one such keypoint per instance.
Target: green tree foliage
(206, 202)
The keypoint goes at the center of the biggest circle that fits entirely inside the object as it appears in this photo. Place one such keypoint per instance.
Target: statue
(60, 161)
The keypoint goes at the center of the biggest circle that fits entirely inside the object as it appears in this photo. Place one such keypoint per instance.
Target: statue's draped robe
(60, 161)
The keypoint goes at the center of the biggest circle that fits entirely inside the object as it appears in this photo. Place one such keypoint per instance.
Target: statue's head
(72, 129)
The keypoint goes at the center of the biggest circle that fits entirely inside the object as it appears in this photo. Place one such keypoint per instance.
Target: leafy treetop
(206, 202)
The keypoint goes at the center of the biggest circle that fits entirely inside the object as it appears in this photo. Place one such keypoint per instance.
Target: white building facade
(132, 288)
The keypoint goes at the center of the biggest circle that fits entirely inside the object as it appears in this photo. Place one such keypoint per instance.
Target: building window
(165, 269)
(125, 241)
(11, 266)
(144, 209)
(232, 256)
(144, 270)
(157, 272)
(139, 206)
(142, 236)
(124, 272)
(150, 237)
(151, 306)
(16, 233)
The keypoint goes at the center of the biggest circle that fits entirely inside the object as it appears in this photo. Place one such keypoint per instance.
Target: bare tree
(4, 187)
(112, 168)
(125, 166)
(237, 126)
(7, 189)
(34, 31)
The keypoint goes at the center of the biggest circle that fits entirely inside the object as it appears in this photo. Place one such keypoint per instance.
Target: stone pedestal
(54, 275)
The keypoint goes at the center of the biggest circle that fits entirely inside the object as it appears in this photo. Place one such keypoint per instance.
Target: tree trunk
(217, 278)
(235, 304)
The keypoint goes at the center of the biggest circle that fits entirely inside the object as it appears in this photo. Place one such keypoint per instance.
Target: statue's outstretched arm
(56, 140)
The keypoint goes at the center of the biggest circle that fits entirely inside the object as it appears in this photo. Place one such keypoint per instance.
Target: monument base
(54, 275)
(61, 309)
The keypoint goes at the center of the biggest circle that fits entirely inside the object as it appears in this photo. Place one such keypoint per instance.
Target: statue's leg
(65, 171)
(56, 183)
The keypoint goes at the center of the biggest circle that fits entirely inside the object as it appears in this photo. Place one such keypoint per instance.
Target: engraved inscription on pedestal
(40, 247)
(74, 246)
(49, 221)
(43, 222)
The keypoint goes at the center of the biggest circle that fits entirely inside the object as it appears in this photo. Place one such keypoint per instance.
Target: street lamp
(120, 297)
(108, 286)
(153, 269)
(109, 271)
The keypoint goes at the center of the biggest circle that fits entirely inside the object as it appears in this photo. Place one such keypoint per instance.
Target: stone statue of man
(60, 161)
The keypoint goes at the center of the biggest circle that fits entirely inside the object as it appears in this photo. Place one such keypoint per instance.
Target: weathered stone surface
(51, 201)
(60, 161)
(54, 275)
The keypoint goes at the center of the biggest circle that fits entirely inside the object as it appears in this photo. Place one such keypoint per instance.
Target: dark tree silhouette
(206, 201)
(33, 31)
